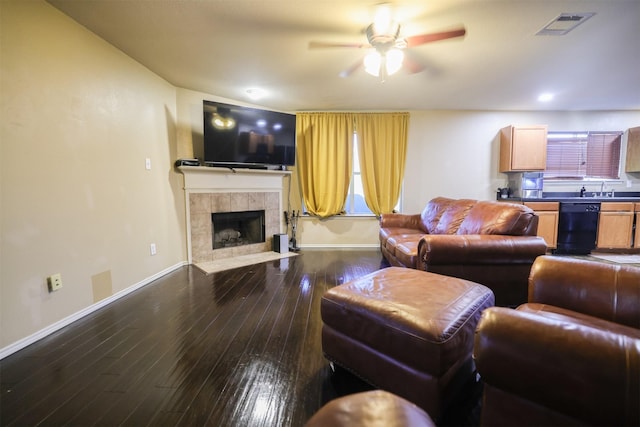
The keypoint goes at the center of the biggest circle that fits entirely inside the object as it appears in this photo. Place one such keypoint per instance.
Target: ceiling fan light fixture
(390, 60)
(394, 61)
(372, 63)
(380, 38)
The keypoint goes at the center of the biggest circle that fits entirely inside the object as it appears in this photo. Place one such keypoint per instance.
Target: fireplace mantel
(209, 190)
(225, 179)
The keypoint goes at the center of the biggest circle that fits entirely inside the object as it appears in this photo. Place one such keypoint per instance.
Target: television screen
(235, 135)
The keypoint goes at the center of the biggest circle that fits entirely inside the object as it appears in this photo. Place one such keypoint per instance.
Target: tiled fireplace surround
(203, 204)
(210, 190)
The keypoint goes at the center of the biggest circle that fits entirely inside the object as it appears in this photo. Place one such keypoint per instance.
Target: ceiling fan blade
(322, 45)
(352, 69)
(434, 37)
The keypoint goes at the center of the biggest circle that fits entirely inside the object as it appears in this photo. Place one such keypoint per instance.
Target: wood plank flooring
(236, 348)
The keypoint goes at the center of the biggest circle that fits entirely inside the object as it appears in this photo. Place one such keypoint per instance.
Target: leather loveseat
(571, 355)
(488, 242)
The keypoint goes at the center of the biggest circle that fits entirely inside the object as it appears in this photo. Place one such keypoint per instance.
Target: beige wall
(78, 119)
(455, 153)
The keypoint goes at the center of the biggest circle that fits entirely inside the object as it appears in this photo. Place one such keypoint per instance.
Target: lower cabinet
(548, 213)
(636, 239)
(615, 225)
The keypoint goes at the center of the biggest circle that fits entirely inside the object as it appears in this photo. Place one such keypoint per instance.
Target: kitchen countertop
(575, 198)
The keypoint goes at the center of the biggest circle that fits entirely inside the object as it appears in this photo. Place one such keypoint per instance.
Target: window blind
(579, 155)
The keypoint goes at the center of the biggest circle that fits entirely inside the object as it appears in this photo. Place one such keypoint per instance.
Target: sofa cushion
(578, 320)
(432, 213)
(497, 218)
(399, 236)
(453, 216)
(390, 233)
(613, 291)
(406, 252)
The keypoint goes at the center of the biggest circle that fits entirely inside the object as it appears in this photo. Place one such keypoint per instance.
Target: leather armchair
(571, 354)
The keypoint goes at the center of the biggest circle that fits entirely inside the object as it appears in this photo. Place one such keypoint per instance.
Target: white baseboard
(24, 342)
(345, 246)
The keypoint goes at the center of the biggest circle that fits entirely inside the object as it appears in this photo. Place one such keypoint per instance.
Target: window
(355, 204)
(580, 155)
(355, 200)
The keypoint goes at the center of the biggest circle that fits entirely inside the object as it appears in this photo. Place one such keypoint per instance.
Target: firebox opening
(237, 228)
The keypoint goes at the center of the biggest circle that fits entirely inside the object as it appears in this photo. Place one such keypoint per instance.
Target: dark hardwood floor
(236, 348)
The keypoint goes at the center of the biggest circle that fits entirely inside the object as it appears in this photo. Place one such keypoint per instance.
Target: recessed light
(256, 93)
(545, 97)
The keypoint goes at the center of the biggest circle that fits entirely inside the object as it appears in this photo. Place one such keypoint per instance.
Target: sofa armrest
(590, 374)
(398, 220)
(607, 291)
(479, 249)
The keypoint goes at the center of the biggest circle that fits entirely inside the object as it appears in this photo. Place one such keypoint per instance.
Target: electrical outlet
(152, 248)
(54, 282)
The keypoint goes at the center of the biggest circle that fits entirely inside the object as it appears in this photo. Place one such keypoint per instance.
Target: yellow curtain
(382, 148)
(324, 160)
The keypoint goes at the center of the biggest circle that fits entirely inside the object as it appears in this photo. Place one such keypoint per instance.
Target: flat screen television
(236, 136)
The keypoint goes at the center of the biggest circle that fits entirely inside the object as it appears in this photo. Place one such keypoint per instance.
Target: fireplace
(214, 212)
(212, 190)
(237, 228)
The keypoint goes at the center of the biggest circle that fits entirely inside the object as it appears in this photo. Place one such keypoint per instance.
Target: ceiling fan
(387, 45)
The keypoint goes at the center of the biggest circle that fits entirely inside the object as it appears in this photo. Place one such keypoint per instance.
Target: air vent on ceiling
(564, 23)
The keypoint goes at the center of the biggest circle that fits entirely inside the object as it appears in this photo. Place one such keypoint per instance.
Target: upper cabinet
(633, 150)
(523, 148)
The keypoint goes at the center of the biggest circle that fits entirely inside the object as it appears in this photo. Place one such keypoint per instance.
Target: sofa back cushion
(502, 218)
(431, 214)
(453, 215)
(605, 291)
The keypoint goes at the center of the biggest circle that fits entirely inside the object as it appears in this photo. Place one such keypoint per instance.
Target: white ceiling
(223, 47)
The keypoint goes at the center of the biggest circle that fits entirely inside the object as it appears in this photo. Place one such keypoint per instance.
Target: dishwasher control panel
(579, 207)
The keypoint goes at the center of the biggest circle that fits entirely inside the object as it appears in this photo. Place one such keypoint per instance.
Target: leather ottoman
(406, 331)
(375, 408)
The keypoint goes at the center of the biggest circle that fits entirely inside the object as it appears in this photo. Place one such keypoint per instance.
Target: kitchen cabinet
(636, 239)
(547, 221)
(633, 150)
(523, 148)
(615, 225)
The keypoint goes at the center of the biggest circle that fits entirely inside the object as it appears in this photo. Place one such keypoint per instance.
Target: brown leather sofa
(488, 242)
(571, 355)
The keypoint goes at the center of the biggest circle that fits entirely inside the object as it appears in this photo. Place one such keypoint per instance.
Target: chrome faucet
(602, 189)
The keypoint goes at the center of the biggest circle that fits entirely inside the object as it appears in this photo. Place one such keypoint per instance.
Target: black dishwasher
(577, 227)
